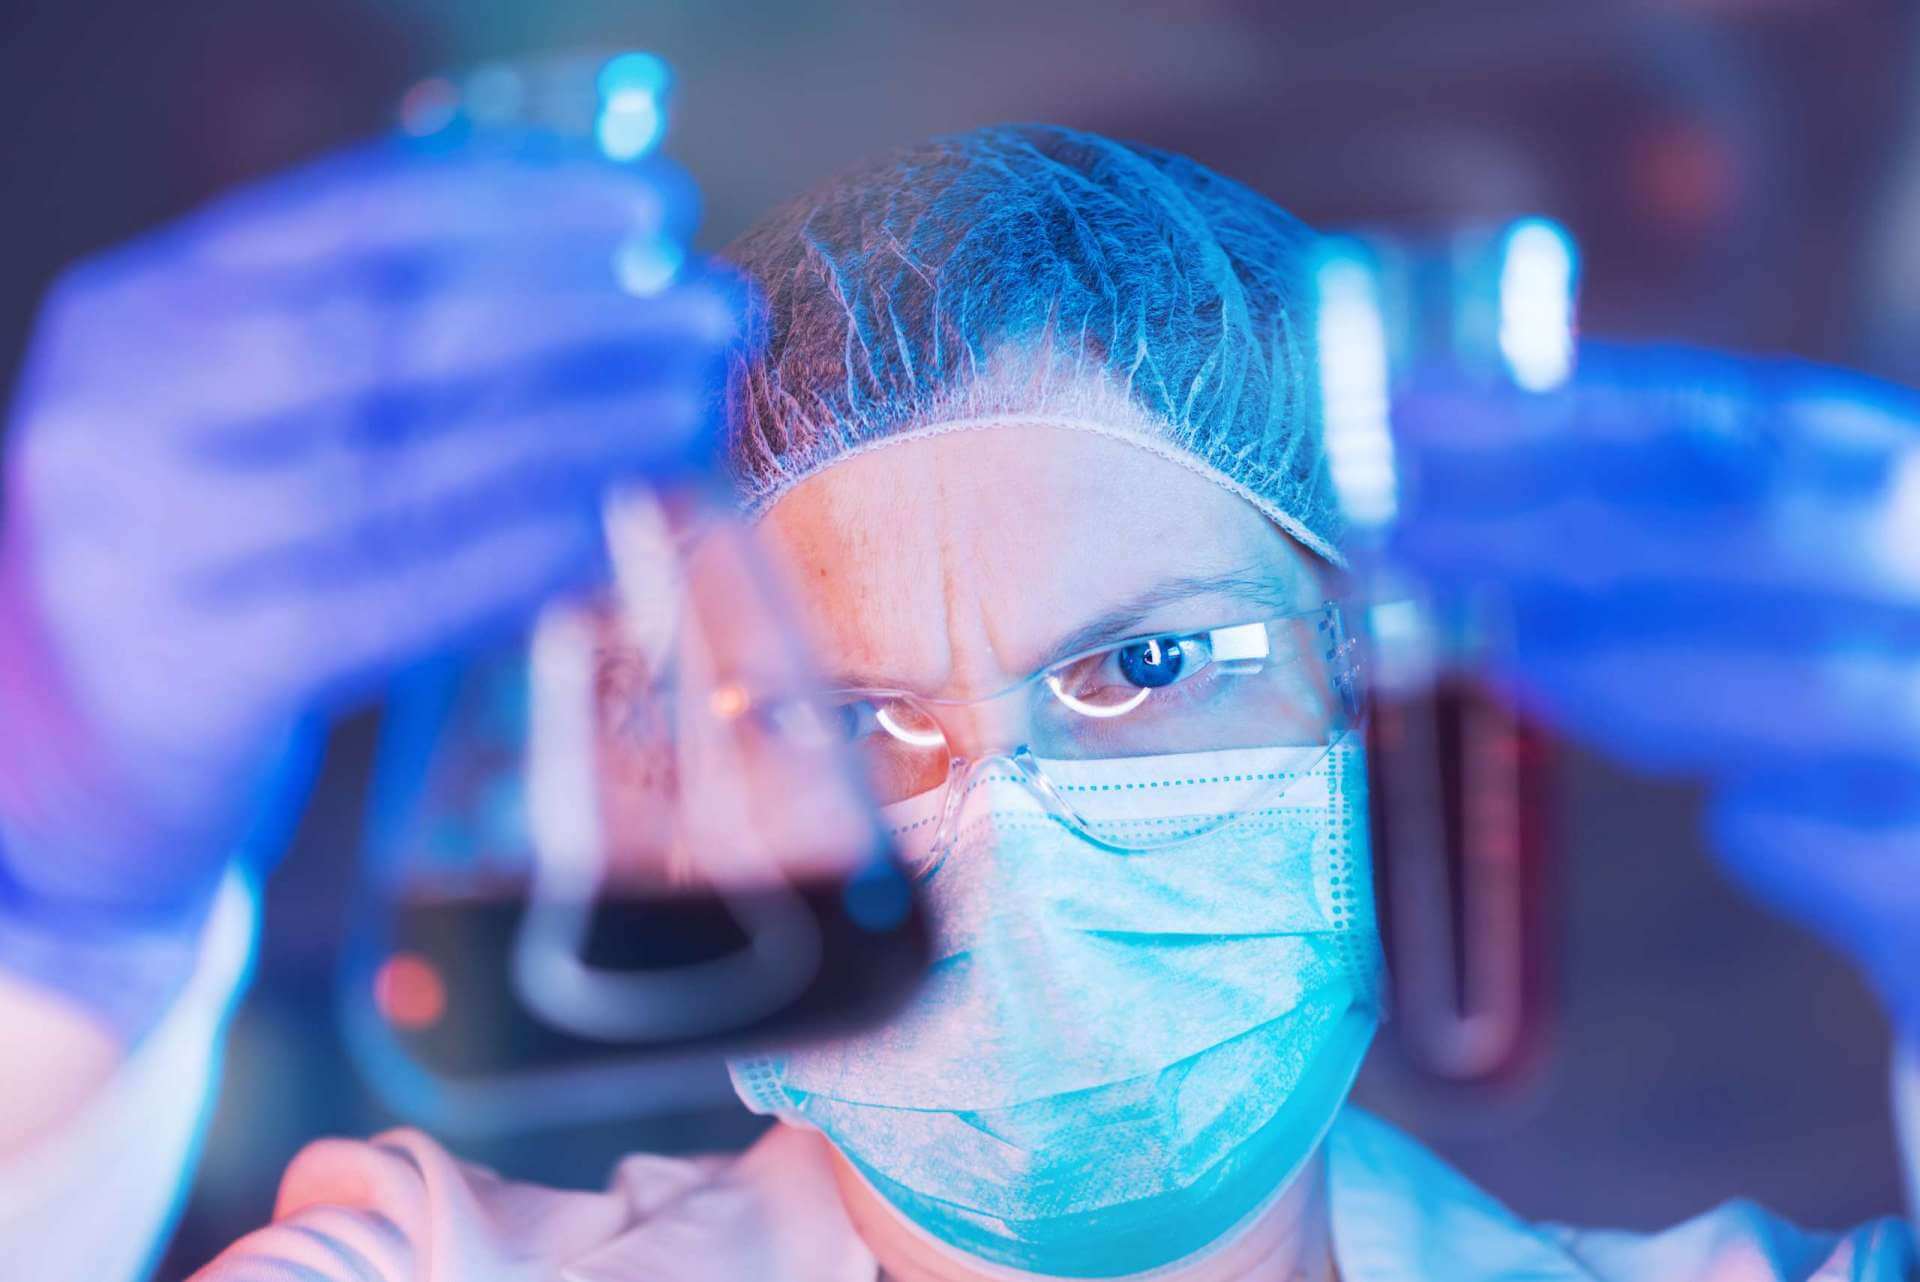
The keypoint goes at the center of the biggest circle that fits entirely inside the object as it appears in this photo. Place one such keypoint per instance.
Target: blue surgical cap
(1042, 275)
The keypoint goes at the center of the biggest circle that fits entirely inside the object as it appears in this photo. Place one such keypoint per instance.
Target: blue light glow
(912, 738)
(630, 123)
(633, 92)
(645, 265)
(1537, 278)
(1354, 373)
(635, 72)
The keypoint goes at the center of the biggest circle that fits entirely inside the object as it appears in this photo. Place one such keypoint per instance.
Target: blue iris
(1152, 664)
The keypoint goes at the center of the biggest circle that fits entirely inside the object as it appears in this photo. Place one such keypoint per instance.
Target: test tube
(1460, 806)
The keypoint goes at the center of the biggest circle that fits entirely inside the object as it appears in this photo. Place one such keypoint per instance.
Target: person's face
(954, 565)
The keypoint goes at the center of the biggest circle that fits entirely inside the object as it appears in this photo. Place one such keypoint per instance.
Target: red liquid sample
(464, 945)
(1460, 825)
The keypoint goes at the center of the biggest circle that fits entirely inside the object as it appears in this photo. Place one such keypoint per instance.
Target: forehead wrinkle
(976, 517)
(893, 545)
(973, 660)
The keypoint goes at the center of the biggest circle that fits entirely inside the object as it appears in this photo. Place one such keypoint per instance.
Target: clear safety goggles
(1284, 682)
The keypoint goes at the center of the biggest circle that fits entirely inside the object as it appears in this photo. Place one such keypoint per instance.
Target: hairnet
(1042, 274)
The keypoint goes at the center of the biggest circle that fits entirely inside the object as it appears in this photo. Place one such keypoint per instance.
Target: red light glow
(408, 991)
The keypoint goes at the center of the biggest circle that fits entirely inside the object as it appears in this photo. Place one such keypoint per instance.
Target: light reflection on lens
(912, 738)
(1086, 709)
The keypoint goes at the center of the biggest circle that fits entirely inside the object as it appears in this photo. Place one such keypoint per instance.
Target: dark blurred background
(1740, 172)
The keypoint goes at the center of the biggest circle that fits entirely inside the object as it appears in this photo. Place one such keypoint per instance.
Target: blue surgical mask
(1117, 1057)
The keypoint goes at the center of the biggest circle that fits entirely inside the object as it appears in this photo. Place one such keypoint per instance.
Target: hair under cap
(1038, 274)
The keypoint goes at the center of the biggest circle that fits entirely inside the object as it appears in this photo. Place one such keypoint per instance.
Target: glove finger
(1589, 543)
(438, 495)
(327, 648)
(656, 356)
(155, 519)
(391, 194)
(1698, 675)
(245, 355)
(1678, 710)
(1651, 431)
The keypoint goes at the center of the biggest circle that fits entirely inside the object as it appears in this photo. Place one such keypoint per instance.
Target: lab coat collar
(1400, 1213)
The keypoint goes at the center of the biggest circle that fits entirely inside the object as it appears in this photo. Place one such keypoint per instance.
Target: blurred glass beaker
(601, 856)
(1458, 787)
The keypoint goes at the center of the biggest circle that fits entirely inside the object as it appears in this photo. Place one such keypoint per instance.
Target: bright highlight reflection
(913, 738)
(633, 94)
(1537, 279)
(638, 70)
(1241, 641)
(1086, 709)
(646, 265)
(1354, 386)
(630, 123)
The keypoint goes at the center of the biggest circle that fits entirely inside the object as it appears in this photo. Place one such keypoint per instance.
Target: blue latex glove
(266, 456)
(1715, 569)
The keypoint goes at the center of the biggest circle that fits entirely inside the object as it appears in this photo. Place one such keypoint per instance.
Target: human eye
(1120, 677)
(890, 722)
(902, 748)
(850, 718)
(1158, 662)
(1184, 663)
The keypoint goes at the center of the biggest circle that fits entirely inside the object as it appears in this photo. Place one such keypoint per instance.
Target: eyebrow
(1267, 588)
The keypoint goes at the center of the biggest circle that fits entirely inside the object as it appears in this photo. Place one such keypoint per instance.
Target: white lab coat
(402, 1209)
(95, 1201)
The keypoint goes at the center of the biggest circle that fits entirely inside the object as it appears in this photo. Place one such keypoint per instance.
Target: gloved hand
(266, 456)
(1714, 565)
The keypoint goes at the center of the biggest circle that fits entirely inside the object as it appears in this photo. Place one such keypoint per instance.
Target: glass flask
(1461, 813)
(603, 855)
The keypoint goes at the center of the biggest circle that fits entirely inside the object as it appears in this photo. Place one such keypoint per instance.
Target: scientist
(1032, 418)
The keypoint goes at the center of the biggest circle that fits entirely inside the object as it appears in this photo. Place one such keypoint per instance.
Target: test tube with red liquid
(1458, 777)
